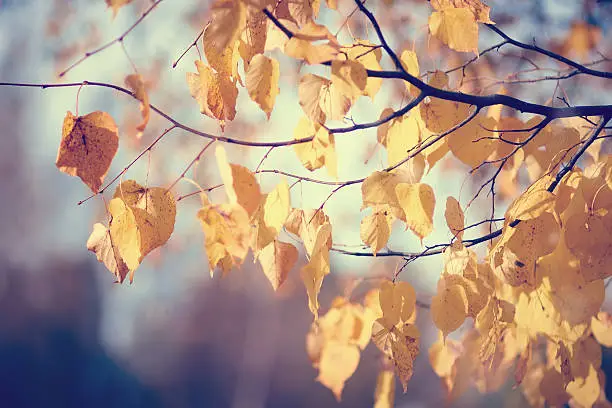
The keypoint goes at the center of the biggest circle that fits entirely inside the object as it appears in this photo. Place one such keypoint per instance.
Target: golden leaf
(369, 56)
(384, 395)
(240, 183)
(116, 5)
(226, 234)
(338, 363)
(397, 302)
(100, 243)
(418, 202)
(320, 151)
(277, 260)
(374, 231)
(215, 92)
(277, 206)
(227, 23)
(454, 217)
(88, 146)
(349, 78)
(136, 84)
(480, 10)
(455, 27)
(317, 267)
(262, 82)
(449, 307)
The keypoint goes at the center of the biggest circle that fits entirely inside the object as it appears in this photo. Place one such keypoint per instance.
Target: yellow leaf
(142, 220)
(320, 151)
(384, 395)
(583, 235)
(88, 146)
(533, 203)
(227, 23)
(262, 234)
(223, 60)
(601, 325)
(586, 392)
(480, 10)
(277, 206)
(262, 82)
(240, 184)
(473, 143)
(400, 345)
(226, 234)
(378, 189)
(397, 302)
(418, 202)
(317, 267)
(253, 38)
(455, 27)
(116, 5)
(301, 46)
(374, 231)
(338, 363)
(277, 260)
(403, 135)
(410, 63)
(136, 84)
(321, 100)
(349, 78)
(449, 307)
(100, 243)
(215, 92)
(124, 233)
(369, 56)
(309, 91)
(514, 256)
(454, 217)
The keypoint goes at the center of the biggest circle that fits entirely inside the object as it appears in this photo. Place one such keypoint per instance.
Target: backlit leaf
(88, 146)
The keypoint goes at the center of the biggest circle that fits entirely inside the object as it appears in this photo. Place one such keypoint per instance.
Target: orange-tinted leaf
(88, 146)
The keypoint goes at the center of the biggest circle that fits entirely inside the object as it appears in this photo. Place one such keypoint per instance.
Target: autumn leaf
(277, 260)
(321, 100)
(100, 243)
(226, 234)
(319, 152)
(449, 307)
(262, 82)
(142, 220)
(455, 27)
(136, 84)
(369, 55)
(88, 146)
(384, 395)
(349, 78)
(227, 23)
(240, 183)
(454, 217)
(115, 5)
(338, 363)
(300, 45)
(400, 345)
(254, 37)
(478, 8)
(418, 202)
(215, 92)
(397, 302)
(317, 267)
(410, 62)
(224, 60)
(375, 231)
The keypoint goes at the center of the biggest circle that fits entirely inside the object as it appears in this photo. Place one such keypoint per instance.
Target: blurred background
(70, 337)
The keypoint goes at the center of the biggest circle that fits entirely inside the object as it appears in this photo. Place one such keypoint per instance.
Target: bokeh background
(70, 337)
